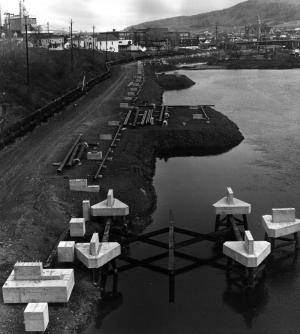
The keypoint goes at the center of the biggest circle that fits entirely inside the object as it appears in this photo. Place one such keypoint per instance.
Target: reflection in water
(248, 303)
(106, 305)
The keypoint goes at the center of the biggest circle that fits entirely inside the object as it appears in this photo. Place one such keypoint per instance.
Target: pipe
(62, 165)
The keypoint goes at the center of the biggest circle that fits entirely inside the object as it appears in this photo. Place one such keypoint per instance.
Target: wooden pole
(27, 53)
(171, 263)
(71, 36)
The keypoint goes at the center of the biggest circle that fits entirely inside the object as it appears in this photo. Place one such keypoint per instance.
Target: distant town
(257, 41)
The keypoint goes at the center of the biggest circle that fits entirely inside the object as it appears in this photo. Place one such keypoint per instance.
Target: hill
(272, 12)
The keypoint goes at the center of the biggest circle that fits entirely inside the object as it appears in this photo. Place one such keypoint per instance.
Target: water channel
(263, 170)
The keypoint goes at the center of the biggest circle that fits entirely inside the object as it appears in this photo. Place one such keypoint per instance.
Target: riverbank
(38, 204)
(174, 81)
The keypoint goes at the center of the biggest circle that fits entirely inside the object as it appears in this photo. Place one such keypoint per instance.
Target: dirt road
(34, 207)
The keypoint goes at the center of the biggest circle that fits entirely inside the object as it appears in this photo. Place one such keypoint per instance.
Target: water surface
(263, 170)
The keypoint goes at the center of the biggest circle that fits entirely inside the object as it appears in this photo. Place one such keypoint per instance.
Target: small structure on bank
(281, 224)
(36, 317)
(229, 207)
(82, 185)
(249, 253)
(110, 207)
(29, 282)
(95, 254)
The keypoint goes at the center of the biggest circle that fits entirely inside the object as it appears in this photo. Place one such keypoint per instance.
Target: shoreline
(135, 157)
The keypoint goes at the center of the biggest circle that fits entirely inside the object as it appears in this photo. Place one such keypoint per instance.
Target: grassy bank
(50, 73)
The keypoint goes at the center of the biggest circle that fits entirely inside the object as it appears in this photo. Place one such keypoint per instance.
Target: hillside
(245, 13)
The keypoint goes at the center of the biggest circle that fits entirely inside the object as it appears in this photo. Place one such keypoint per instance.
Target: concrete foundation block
(124, 105)
(106, 136)
(276, 230)
(105, 254)
(134, 89)
(86, 210)
(285, 215)
(238, 208)
(110, 207)
(128, 98)
(77, 184)
(54, 286)
(237, 251)
(28, 270)
(77, 227)
(94, 155)
(66, 251)
(131, 93)
(36, 317)
(93, 189)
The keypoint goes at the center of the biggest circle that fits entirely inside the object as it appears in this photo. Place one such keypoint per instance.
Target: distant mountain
(245, 13)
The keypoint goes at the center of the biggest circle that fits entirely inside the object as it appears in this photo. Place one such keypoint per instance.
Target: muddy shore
(130, 174)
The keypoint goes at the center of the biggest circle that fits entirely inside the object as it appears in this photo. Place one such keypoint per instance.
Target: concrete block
(77, 227)
(105, 254)
(110, 198)
(77, 184)
(93, 189)
(285, 215)
(230, 198)
(249, 243)
(237, 251)
(86, 210)
(110, 207)
(94, 244)
(28, 270)
(198, 116)
(106, 136)
(276, 230)
(128, 98)
(36, 317)
(131, 94)
(133, 89)
(238, 208)
(113, 123)
(66, 251)
(54, 286)
(124, 105)
(94, 155)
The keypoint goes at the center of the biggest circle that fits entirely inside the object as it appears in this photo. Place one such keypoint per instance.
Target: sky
(109, 14)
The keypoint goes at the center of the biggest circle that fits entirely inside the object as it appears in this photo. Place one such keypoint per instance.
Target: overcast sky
(109, 14)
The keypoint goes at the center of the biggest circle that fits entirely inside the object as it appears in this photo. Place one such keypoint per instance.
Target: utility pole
(106, 47)
(48, 35)
(71, 49)
(27, 54)
(93, 45)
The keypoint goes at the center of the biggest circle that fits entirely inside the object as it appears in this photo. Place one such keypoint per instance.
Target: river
(263, 170)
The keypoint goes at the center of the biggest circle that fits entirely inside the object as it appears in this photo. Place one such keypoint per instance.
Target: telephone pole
(71, 39)
(27, 54)
(93, 45)
(106, 47)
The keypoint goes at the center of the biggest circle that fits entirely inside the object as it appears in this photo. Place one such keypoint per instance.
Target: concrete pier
(249, 253)
(110, 207)
(29, 282)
